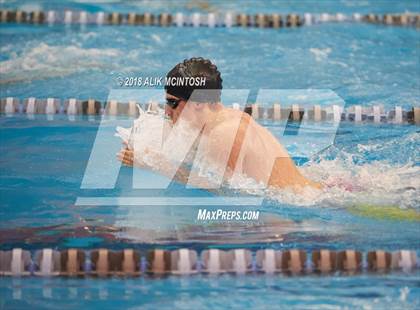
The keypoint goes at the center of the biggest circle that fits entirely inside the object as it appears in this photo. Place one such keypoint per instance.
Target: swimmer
(232, 139)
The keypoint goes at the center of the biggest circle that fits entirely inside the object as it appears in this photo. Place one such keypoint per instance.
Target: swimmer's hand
(126, 155)
(129, 158)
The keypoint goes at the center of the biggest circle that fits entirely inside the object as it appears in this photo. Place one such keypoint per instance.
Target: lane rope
(276, 112)
(184, 261)
(211, 20)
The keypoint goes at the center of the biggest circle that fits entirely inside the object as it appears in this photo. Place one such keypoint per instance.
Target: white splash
(320, 54)
(45, 61)
(156, 38)
(347, 183)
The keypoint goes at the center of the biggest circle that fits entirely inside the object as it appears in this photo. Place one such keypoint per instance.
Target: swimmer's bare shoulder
(227, 134)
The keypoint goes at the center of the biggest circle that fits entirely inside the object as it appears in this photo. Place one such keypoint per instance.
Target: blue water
(42, 161)
(233, 292)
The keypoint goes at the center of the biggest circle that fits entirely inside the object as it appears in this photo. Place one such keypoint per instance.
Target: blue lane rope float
(275, 112)
(211, 20)
(156, 262)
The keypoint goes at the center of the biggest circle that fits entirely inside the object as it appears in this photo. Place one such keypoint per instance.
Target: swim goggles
(173, 103)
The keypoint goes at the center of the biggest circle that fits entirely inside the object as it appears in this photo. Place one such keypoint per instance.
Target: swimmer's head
(192, 87)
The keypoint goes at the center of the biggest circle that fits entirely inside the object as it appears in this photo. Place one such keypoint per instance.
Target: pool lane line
(130, 262)
(276, 112)
(211, 20)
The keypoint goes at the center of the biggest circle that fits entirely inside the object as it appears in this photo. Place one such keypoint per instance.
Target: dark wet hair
(196, 67)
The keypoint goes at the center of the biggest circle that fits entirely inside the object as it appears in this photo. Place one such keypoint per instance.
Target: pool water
(364, 64)
(42, 181)
(201, 292)
(44, 159)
